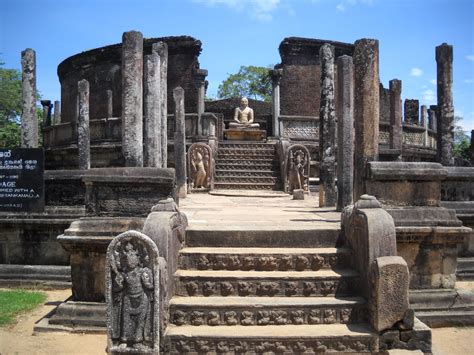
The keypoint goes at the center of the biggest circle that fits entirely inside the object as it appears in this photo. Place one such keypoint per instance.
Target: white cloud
(340, 7)
(433, 81)
(416, 72)
(258, 9)
(429, 96)
(469, 81)
(470, 57)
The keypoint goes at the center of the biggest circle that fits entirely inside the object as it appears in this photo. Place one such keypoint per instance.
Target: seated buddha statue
(243, 116)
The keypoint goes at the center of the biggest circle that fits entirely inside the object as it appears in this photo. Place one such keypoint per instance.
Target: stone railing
(303, 128)
(152, 258)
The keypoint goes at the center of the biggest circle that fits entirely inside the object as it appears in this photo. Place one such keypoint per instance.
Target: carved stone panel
(297, 168)
(200, 167)
(132, 294)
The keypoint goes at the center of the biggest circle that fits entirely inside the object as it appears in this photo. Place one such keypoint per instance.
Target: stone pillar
(366, 109)
(132, 98)
(412, 111)
(152, 141)
(433, 118)
(83, 132)
(327, 129)
(57, 113)
(424, 124)
(444, 61)
(200, 81)
(110, 104)
(345, 131)
(396, 129)
(162, 50)
(276, 78)
(29, 120)
(180, 141)
(46, 112)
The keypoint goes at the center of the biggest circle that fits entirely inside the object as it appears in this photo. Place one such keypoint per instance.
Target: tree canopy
(250, 81)
(462, 144)
(10, 107)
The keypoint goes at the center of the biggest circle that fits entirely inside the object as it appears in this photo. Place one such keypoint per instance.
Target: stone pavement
(243, 209)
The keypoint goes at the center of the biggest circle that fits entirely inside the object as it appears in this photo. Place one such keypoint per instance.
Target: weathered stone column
(345, 131)
(424, 124)
(132, 98)
(57, 113)
(152, 141)
(162, 50)
(472, 146)
(276, 78)
(327, 129)
(412, 111)
(444, 61)
(366, 109)
(29, 119)
(83, 131)
(46, 112)
(433, 118)
(110, 104)
(200, 82)
(396, 130)
(180, 141)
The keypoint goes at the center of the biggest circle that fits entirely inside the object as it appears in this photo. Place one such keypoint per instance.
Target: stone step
(52, 276)
(247, 173)
(249, 145)
(245, 186)
(271, 339)
(301, 236)
(249, 311)
(247, 166)
(265, 283)
(246, 179)
(248, 157)
(246, 150)
(264, 259)
(465, 269)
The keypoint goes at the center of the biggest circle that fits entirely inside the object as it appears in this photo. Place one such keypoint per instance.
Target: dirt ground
(19, 338)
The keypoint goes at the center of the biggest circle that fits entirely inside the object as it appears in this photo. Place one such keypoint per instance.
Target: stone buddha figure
(243, 116)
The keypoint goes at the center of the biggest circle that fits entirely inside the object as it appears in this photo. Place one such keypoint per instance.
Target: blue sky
(248, 32)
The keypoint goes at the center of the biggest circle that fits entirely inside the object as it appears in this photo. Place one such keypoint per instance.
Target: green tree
(11, 107)
(462, 144)
(251, 81)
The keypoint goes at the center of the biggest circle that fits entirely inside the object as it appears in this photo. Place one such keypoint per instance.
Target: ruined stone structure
(181, 291)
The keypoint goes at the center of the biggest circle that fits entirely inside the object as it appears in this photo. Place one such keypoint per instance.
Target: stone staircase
(286, 293)
(247, 166)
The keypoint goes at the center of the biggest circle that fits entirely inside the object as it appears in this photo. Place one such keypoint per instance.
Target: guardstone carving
(200, 166)
(297, 168)
(132, 294)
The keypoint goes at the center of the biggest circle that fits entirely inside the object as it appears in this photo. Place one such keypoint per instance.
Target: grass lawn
(13, 302)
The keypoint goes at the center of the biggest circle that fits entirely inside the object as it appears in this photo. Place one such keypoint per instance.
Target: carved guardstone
(297, 168)
(132, 295)
(200, 167)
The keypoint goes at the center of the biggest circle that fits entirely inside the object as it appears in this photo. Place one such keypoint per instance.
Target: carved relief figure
(243, 116)
(297, 175)
(200, 167)
(132, 312)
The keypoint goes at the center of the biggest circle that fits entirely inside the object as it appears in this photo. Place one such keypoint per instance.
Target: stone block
(298, 194)
(245, 134)
(389, 302)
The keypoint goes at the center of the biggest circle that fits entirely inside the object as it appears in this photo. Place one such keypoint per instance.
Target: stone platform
(247, 134)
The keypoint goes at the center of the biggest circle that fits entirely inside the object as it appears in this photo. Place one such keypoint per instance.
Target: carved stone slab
(297, 168)
(389, 302)
(200, 167)
(132, 295)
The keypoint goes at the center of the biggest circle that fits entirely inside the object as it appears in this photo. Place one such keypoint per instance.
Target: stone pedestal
(245, 134)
